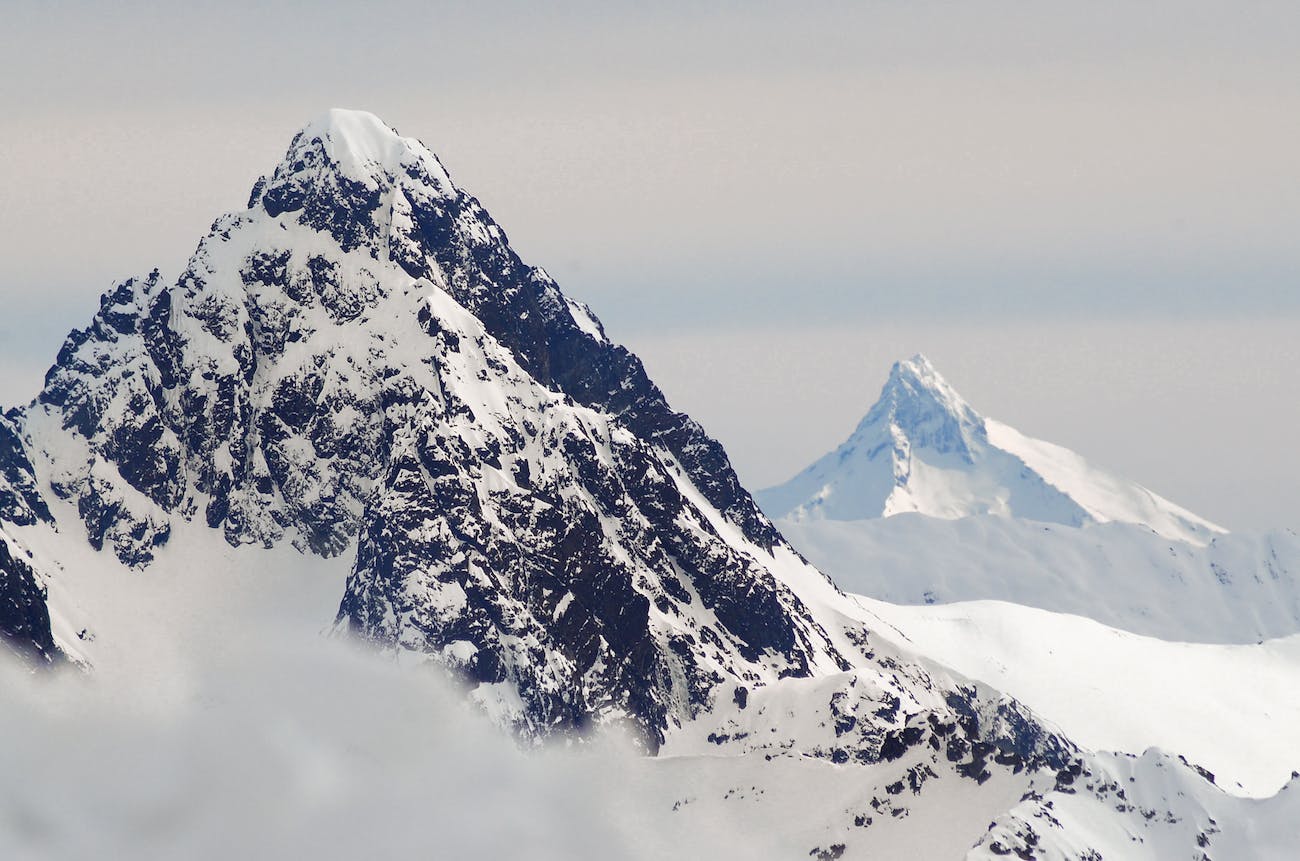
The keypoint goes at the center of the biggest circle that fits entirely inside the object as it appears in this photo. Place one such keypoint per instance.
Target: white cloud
(230, 728)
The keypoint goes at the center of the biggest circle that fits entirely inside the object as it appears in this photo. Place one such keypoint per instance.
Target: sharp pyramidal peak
(359, 363)
(357, 366)
(922, 448)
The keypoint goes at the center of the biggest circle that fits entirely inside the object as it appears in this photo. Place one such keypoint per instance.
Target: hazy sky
(1086, 214)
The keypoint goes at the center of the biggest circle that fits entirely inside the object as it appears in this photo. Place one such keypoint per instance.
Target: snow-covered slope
(243, 728)
(922, 448)
(359, 364)
(1240, 588)
(1233, 709)
(360, 367)
(246, 728)
(357, 411)
(1152, 807)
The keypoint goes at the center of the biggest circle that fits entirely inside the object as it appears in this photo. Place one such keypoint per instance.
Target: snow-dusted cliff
(357, 390)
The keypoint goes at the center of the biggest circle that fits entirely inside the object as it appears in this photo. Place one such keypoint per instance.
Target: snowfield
(1240, 588)
(1232, 709)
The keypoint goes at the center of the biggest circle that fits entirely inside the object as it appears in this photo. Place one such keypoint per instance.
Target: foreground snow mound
(922, 448)
(1151, 807)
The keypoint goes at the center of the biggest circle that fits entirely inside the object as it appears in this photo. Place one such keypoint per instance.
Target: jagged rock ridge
(358, 363)
(360, 356)
(359, 360)
(21, 502)
(24, 617)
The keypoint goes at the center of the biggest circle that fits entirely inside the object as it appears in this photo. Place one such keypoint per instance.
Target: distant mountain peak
(919, 370)
(922, 448)
(917, 405)
(917, 378)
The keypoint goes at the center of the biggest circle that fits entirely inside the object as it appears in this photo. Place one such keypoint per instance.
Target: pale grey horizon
(1085, 216)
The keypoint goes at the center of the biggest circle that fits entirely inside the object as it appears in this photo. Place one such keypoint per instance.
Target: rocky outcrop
(24, 617)
(21, 502)
(360, 360)
(359, 363)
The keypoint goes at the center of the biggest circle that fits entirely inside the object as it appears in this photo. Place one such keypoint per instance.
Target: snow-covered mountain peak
(358, 363)
(350, 175)
(918, 407)
(918, 374)
(359, 132)
(359, 366)
(363, 147)
(922, 448)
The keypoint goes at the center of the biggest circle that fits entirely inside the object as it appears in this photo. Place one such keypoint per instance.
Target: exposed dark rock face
(24, 618)
(105, 392)
(360, 363)
(21, 502)
(360, 359)
(540, 555)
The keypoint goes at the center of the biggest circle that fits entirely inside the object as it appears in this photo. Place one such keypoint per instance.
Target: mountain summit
(922, 448)
(358, 367)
